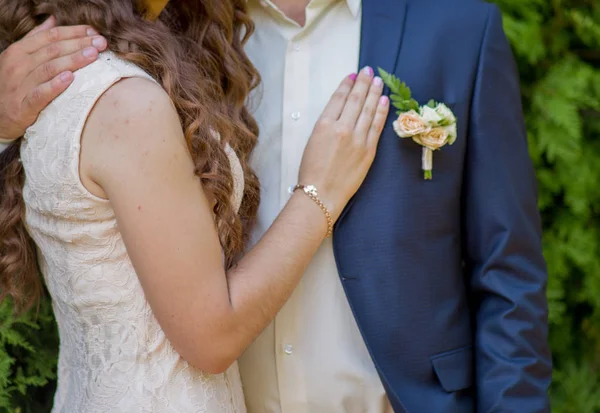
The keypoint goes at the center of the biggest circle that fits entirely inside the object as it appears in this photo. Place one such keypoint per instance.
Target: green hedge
(557, 45)
(28, 353)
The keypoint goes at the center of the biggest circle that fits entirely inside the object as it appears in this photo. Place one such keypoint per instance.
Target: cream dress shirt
(312, 358)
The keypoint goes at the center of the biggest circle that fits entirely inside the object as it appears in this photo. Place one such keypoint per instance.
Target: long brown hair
(195, 51)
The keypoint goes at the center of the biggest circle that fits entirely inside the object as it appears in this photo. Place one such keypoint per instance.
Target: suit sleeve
(502, 232)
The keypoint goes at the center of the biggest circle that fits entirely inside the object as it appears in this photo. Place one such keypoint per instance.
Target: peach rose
(433, 139)
(410, 124)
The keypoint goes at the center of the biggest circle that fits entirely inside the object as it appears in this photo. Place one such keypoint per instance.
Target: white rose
(410, 124)
(451, 129)
(445, 113)
(430, 116)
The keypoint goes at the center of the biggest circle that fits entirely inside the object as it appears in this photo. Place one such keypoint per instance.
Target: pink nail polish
(369, 71)
(377, 81)
(353, 77)
(384, 100)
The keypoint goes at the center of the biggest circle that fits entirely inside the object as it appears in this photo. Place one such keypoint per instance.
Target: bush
(28, 353)
(557, 45)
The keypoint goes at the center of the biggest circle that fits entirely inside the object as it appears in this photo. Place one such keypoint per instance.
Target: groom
(431, 297)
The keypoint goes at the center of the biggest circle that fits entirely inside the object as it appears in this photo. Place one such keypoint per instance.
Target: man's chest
(300, 69)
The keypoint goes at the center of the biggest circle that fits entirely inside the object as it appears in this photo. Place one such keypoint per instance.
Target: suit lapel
(382, 29)
(381, 34)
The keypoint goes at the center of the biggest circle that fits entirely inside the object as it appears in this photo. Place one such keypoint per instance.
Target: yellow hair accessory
(155, 8)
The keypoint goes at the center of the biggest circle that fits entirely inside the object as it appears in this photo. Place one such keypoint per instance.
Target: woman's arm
(134, 153)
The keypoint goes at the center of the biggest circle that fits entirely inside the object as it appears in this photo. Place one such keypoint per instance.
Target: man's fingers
(70, 63)
(68, 47)
(45, 37)
(42, 95)
(336, 104)
(49, 23)
(356, 99)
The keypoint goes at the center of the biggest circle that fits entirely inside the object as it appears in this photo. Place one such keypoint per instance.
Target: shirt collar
(353, 5)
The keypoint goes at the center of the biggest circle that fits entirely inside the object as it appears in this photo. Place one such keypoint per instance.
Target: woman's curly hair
(195, 51)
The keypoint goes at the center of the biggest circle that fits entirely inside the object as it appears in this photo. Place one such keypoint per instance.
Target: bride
(132, 193)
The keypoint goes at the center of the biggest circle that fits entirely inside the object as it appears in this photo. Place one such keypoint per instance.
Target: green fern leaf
(400, 96)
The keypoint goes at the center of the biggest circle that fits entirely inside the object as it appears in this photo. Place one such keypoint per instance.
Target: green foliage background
(557, 45)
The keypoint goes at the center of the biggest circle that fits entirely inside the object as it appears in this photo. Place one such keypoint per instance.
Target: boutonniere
(432, 125)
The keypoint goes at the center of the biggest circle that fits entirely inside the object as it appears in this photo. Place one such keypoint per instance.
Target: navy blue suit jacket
(446, 278)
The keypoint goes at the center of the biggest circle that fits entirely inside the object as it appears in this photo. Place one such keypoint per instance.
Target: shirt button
(296, 115)
(288, 349)
(296, 47)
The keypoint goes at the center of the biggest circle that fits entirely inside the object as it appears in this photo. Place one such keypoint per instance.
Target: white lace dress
(114, 357)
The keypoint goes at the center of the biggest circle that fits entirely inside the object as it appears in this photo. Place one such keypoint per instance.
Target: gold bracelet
(313, 194)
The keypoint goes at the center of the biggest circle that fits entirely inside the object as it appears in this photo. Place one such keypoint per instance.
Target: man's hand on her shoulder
(38, 68)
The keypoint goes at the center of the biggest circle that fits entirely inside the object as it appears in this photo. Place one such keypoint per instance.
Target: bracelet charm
(312, 192)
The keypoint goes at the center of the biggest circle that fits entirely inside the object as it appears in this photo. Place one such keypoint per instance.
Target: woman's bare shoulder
(132, 118)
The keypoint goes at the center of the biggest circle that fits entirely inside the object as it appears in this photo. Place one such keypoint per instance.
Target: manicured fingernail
(368, 71)
(353, 76)
(89, 52)
(377, 81)
(66, 77)
(99, 42)
(91, 32)
(384, 101)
